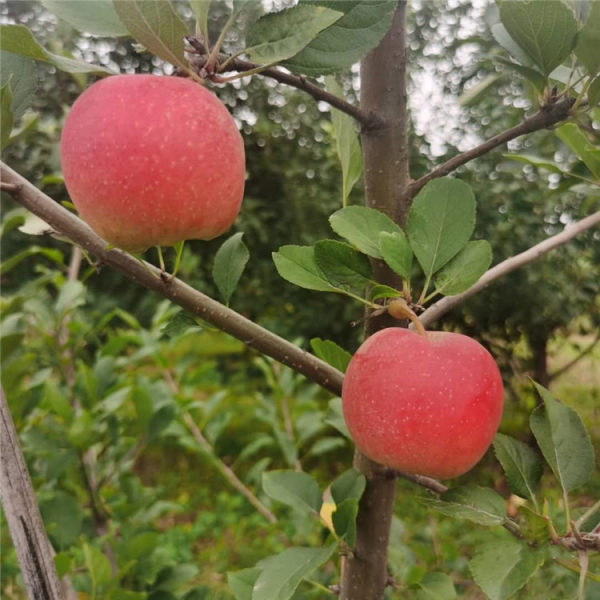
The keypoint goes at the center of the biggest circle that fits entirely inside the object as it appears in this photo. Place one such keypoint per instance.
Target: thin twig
(441, 307)
(240, 65)
(547, 116)
(573, 362)
(226, 471)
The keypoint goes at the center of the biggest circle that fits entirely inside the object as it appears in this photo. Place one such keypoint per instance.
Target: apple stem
(399, 309)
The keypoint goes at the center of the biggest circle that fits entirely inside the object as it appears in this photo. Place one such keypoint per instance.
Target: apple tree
(409, 253)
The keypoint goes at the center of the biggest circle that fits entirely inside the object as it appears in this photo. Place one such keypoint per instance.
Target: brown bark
(386, 175)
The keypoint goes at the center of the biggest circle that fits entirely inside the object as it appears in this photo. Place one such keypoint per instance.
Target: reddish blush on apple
(425, 403)
(152, 160)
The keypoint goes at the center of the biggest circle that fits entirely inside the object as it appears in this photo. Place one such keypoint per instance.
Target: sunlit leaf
(546, 31)
(155, 25)
(280, 35)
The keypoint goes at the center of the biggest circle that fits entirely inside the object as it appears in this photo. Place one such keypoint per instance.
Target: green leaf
(230, 261)
(297, 265)
(294, 488)
(396, 252)
(503, 566)
(384, 291)
(179, 324)
(593, 93)
(502, 36)
(63, 518)
(531, 74)
(348, 40)
(344, 520)
(563, 440)
(464, 269)
(535, 161)
(201, 9)
(98, 566)
(331, 353)
(588, 40)
(546, 31)
(97, 17)
(578, 142)
(21, 72)
(277, 36)
(19, 40)
(537, 525)
(521, 464)
(326, 444)
(242, 582)
(160, 420)
(71, 295)
(349, 485)
(6, 114)
(342, 265)
(361, 226)
(471, 502)
(440, 222)
(472, 95)
(141, 544)
(62, 561)
(346, 143)
(281, 574)
(171, 578)
(335, 417)
(436, 586)
(155, 25)
(52, 254)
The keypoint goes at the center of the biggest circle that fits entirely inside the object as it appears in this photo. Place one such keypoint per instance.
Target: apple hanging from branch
(427, 402)
(152, 160)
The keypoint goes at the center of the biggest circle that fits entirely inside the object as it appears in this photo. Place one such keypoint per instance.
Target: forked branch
(240, 65)
(548, 115)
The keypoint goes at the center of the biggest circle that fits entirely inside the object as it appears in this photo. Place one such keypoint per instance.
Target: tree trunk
(539, 348)
(386, 175)
(35, 554)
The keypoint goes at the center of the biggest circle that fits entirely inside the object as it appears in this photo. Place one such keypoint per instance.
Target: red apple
(427, 404)
(151, 160)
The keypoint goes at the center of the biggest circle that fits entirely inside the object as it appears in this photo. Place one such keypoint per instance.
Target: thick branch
(35, 554)
(547, 116)
(240, 65)
(441, 307)
(175, 290)
(574, 361)
(386, 176)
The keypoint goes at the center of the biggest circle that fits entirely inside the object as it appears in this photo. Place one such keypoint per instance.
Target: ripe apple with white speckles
(426, 404)
(152, 160)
